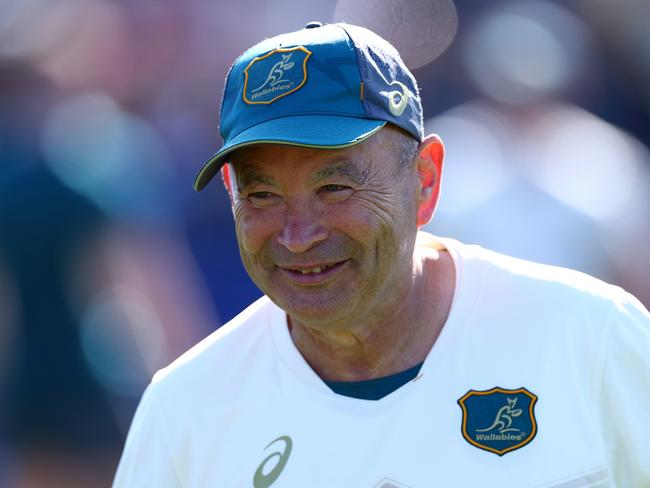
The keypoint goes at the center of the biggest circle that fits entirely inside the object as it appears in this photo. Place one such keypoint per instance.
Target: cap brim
(317, 131)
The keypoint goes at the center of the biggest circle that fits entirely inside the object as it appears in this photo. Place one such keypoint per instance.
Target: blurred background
(111, 265)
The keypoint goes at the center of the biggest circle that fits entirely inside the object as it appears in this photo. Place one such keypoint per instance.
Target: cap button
(313, 24)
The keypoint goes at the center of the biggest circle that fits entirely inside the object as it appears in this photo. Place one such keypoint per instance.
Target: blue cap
(325, 86)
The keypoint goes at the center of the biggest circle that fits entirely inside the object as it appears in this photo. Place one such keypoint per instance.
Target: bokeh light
(524, 50)
(421, 30)
(591, 165)
(122, 339)
(76, 43)
(473, 171)
(115, 158)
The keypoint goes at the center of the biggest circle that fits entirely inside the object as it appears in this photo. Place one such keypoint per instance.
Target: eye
(333, 188)
(334, 193)
(262, 195)
(262, 198)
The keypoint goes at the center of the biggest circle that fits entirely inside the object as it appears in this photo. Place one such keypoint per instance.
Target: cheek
(372, 214)
(254, 227)
(354, 217)
(386, 223)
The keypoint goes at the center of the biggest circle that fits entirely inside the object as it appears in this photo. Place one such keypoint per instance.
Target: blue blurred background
(111, 265)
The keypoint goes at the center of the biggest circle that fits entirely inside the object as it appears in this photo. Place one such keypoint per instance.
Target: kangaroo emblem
(503, 419)
(498, 420)
(284, 70)
(277, 72)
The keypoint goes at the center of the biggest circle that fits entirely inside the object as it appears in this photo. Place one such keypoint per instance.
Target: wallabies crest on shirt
(498, 420)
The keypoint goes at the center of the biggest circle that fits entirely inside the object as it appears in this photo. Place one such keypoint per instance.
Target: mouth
(313, 274)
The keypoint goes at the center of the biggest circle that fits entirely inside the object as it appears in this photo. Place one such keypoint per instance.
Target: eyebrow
(341, 168)
(249, 175)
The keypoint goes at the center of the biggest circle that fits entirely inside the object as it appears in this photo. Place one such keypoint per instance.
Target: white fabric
(580, 345)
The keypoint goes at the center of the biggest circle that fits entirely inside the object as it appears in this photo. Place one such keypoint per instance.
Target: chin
(314, 310)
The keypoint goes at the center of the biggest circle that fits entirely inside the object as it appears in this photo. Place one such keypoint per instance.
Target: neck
(394, 339)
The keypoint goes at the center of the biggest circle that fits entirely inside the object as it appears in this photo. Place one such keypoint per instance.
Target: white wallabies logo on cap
(277, 72)
(397, 99)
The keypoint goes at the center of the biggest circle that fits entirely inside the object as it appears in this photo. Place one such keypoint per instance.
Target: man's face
(328, 235)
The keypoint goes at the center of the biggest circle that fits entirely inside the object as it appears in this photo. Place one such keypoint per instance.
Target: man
(380, 356)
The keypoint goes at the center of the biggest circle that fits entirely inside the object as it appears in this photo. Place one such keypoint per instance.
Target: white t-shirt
(539, 378)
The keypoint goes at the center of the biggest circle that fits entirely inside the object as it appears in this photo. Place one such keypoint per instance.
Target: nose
(302, 228)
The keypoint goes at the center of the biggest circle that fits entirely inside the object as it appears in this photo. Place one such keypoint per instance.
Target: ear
(429, 167)
(225, 175)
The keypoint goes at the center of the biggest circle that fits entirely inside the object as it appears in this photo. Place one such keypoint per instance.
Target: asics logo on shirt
(271, 467)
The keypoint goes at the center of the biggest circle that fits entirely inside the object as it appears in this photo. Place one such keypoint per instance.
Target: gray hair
(408, 151)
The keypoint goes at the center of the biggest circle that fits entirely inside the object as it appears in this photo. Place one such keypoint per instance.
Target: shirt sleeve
(625, 412)
(146, 460)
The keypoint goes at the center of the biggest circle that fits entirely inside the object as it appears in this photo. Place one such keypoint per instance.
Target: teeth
(315, 270)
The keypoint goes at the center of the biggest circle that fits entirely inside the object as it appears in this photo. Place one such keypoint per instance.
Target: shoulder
(216, 358)
(547, 300)
(190, 403)
(537, 282)
(563, 304)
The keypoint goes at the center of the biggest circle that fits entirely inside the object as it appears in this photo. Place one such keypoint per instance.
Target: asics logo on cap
(276, 93)
(397, 99)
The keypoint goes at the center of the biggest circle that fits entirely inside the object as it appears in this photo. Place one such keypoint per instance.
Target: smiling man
(381, 356)
(329, 236)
